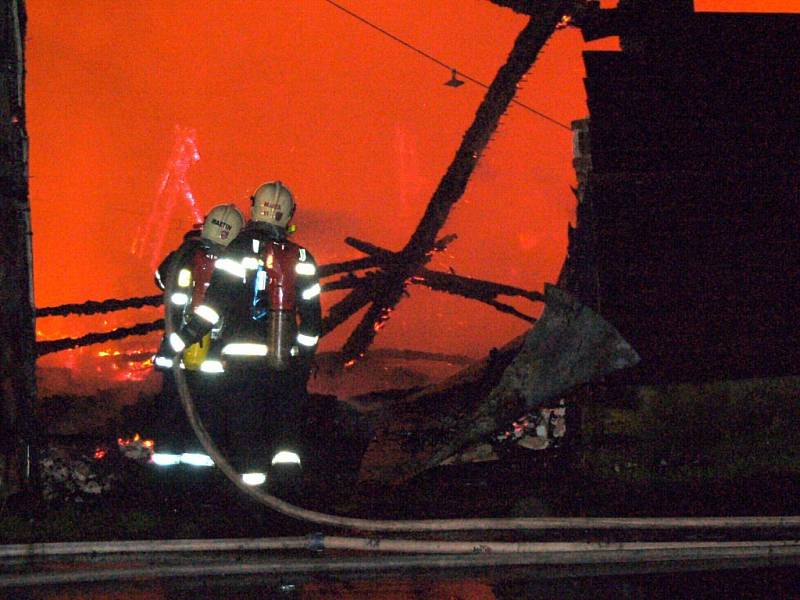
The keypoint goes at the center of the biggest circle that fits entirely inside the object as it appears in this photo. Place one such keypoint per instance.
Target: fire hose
(487, 524)
(430, 525)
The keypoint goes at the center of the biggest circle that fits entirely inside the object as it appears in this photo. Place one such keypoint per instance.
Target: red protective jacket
(265, 289)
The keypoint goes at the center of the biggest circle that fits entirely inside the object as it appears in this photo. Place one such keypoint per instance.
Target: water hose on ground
(488, 524)
(428, 525)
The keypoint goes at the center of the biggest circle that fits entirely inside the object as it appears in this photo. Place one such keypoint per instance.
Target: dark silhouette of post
(17, 345)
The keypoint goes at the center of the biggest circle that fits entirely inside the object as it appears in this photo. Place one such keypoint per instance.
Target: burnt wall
(694, 194)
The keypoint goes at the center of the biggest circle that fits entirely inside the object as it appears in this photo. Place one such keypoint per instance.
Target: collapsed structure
(688, 194)
(686, 235)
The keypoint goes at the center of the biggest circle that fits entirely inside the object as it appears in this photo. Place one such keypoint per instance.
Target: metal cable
(443, 64)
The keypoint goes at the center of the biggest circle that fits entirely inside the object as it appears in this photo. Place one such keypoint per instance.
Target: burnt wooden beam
(349, 281)
(510, 310)
(357, 264)
(382, 254)
(92, 307)
(442, 243)
(501, 92)
(417, 251)
(469, 287)
(345, 308)
(388, 256)
(98, 338)
(376, 256)
(524, 7)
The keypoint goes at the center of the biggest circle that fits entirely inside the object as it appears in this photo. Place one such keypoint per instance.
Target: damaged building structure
(688, 171)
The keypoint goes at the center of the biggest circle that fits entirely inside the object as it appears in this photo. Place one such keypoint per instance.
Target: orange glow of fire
(136, 439)
(565, 21)
(151, 210)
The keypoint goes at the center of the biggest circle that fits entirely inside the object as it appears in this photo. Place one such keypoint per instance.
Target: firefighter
(184, 276)
(174, 308)
(266, 290)
(191, 265)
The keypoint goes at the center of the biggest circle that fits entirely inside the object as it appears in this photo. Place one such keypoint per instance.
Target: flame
(565, 21)
(136, 439)
(109, 353)
(382, 318)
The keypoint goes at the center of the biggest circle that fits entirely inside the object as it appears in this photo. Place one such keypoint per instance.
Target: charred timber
(387, 257)
(406, 432)
(345, 308)
(523, 7)
(499, 95)
(373, 259)
(510, 310)
(417, 251)
(349, 282)
(477, 289)
(468, 287)
(357, 264)
(93, 307)
(98, 338)
(18, 432)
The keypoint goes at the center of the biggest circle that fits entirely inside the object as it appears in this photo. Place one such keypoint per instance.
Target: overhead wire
(442, 63)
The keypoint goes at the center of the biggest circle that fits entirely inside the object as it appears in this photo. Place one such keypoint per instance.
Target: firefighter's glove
(168, 352)
(193, 331)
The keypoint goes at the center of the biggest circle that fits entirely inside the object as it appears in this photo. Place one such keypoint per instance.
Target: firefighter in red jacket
(184, 276)
(266, 291)
(191, 266)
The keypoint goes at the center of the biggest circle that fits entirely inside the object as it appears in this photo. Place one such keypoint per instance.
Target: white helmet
(273, 203)
(222, 224)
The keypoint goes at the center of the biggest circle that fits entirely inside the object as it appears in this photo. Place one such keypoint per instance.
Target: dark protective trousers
(171, 427)
(260, 410)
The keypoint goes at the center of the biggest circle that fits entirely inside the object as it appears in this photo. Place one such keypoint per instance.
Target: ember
(136, 448)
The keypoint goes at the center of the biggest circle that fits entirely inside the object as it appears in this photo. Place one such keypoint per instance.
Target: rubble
(570, 345)
(69, 475)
